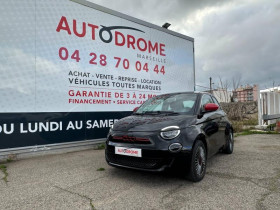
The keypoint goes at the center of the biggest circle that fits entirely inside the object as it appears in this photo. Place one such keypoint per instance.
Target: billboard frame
(48, 148)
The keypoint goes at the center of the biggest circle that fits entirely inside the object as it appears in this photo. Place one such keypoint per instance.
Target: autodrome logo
(109, 33)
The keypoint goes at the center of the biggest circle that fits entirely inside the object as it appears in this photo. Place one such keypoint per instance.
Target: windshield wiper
(150, 112)
(138, 113)
(159, 112)
(171, 113)
(156, 113)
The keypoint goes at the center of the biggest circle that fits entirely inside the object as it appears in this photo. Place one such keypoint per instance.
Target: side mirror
(210, 107)
(135, 109)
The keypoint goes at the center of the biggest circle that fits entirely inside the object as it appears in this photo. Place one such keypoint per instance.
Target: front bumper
(155, 150)
(151, 160)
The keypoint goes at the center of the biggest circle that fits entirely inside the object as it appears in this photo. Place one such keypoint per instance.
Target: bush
(240, 110)
(237, 126)
(252, 121)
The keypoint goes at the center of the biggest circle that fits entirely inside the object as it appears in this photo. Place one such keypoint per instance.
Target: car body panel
(208, 126)
(146, 123)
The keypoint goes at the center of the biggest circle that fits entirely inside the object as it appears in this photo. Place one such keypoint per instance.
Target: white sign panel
(61, 56)
(128, 151)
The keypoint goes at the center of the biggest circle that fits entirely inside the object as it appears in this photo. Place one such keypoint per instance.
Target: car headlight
(170, 132)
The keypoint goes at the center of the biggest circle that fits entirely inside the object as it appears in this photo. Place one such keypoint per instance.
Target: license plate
(128, 151)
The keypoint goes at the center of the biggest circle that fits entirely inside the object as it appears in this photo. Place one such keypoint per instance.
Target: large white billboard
(59, 56)
(63, 56)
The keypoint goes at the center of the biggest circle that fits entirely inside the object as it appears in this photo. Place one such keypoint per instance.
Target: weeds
(9, 160)
(253, 121)
(91, 205)
(100, 147)
(250, 132)
(3, 168)
(101, 169)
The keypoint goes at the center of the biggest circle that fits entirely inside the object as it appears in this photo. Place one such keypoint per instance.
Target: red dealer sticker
(128, 151)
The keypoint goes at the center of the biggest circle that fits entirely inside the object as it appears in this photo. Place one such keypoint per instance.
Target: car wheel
(229, 143)
(198, 162)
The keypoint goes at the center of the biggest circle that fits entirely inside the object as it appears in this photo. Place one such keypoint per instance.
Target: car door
(222, 123)
(210, 125)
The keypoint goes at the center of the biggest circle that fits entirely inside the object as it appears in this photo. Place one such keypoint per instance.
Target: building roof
(275, 89)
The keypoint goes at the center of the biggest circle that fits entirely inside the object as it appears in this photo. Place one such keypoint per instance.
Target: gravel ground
(247, 179)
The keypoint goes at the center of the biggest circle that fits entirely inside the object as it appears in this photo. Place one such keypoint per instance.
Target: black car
(176, 129)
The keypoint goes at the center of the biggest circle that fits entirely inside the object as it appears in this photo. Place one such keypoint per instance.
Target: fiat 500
(177, 129)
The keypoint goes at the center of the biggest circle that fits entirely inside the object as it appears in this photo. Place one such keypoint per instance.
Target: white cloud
(237, 37)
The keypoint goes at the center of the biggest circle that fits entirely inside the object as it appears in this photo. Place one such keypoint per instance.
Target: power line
(202, 86)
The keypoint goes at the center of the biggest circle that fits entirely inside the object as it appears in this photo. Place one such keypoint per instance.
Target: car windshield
(182, 103)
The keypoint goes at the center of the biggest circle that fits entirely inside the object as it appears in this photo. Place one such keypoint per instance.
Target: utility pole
(210, 84)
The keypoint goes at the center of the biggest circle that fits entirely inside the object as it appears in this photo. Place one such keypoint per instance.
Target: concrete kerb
(48, 149)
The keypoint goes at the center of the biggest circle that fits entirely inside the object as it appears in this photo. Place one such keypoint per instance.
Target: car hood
(152, 122)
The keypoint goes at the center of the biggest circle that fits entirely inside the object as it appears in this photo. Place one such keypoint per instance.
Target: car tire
(229, 143)
(198, 162)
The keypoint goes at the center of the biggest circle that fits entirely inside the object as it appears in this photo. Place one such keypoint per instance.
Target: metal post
(268, 106)
(194, 87)
(260, 113)
(210, 84)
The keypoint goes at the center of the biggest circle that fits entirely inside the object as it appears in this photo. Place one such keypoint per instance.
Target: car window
(215, 101)
(188, 104)
(206, 99)
(178, 103)
(158, 107)
(155, 105)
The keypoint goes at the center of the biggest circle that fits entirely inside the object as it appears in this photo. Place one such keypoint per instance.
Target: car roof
(187, 92)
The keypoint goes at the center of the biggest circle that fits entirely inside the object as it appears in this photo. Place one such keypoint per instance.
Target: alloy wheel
(230, 141)
(200, 161)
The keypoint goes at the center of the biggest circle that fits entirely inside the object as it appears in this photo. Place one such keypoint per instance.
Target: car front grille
(129, 139)
(136, 162)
